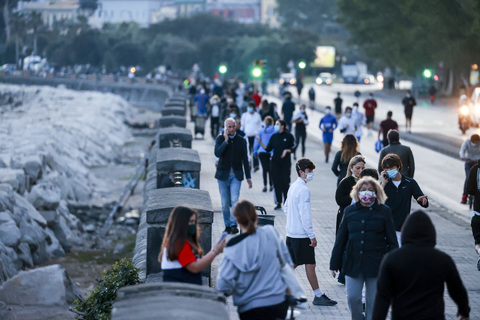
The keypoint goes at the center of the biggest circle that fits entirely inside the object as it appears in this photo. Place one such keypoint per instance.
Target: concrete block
(172, 121)
(183, 160)
(167, 137)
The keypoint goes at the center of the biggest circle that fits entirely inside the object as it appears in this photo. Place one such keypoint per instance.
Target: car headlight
(464, 110)
(328, 81)
(319, 81)
(293, 81)
(366, 81)
(281, 81)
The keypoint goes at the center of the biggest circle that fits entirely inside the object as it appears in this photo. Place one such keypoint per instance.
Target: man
(301, 122)
(473, 189)
(338, 106)
(399, 190)
(370, 105)
(346, 124)
(311, 97)
(201, 99)
(231, 149)
(301, 240)
(327, 124)
(214, 116)
(288, 108)
(412, 279)
(408, 103)
(404, 152)
(470, 153)
(385, 126)
(251, 123)
(359, 121)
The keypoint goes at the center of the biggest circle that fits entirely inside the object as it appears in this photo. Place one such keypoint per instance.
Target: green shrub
(98, 305)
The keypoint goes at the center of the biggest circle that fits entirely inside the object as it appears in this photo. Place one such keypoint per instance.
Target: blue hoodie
(265, 134)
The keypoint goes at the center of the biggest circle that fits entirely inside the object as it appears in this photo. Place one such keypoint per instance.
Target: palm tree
(18, 26)
(34, 22)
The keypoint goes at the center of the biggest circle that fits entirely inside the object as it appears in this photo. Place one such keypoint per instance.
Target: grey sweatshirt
(250, 270)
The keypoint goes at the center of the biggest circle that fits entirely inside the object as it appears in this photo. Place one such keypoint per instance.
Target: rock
(65, 235)
(13, 177)
(54, 248)
(49, 285)
(3, 310)
(45, 195)
(9, 233)
(9, 265)
(72, 221)
(30, 210)
(3, 164)
(51, 217)
(32, 234)
(90, 228)
(25, 255)
(33, 171)
(40, 255)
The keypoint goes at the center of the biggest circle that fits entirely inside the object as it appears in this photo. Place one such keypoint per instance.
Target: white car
(324, 78)
(287, 78)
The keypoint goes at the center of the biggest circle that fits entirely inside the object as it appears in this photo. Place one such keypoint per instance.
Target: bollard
(172, 121)
(174, 137)
(173, 111)
(183, 160)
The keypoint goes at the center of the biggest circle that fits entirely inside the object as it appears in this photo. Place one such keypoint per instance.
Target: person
(412, 279)
(348, 149)
(265, 110)
(214, 116)
(301, 239)
(288, 108)
(347, 124)
(282, 143)
(399, 190)
(201, 99)
(311, 97)
(473, 188)
(385, 126)
(327, 124)
(301, 122)
(404, 152)
(359, 121)
(251, 123)
(470, 153)
(365, 235)
(256, 97)
(432, 91)
(181, 255)
(370, 172)
(370, 105)
(338, 106)
(408, 103)
(250, 271)
(265, 134)
(299, 85)
(231, 151)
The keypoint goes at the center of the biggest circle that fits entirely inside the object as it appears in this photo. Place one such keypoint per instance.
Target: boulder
(8, 263)
(13, 177)
(46, 286)
(3, 310)
(45, 195)
(72, 221)
(32, 234)
(33, 171)
(65, 235)
(28, 208)
(54, 248)
(25, 255)
(7, 197)
(51, 217)
(9, 233)
(40, 255)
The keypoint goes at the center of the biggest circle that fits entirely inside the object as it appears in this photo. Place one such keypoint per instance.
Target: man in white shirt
(301, 241)
(251, 123)
(346, 124)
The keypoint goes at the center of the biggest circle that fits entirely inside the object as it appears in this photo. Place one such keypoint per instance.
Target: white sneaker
(301, 305)
(296, 313)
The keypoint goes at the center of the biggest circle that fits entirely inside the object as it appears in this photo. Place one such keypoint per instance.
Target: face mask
(408, 96)
(392, 173)
(215, 101)
(309, 177)
(233, 115)
(355, 109)
(353, 174)
(277, 128)
(328, 111)
(302, 111)
(250, 109)
(367, 196)
(348, 115)
(192, 229)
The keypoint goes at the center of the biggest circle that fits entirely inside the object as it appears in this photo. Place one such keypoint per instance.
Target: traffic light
(258, 63)
(222, 69)
(302, 65)
(257, 72)
(427, 73)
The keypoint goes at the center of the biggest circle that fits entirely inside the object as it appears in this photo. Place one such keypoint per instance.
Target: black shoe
(278, 207)
(264, 189)
(294, 156)
(256, 169)
(228, 230)
(323, 301)
(233, 230)
(478, 264)
(271, 188)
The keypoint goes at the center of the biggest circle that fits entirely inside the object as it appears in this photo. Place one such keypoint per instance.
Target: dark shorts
(300, 251)
(476, 228)
(370, 119)
(408, 113)
(327, 137)
(278, 311)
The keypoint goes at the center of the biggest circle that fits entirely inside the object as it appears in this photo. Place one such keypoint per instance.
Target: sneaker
(278, 207)
(264, 189)
(323, 301)
(228, 230)
(478, 264)
(233, 230)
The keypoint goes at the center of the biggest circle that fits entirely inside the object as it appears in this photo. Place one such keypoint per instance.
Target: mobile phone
(223, 236)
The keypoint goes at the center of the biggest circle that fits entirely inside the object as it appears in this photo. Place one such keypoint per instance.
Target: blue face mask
(392, 173)
(277, 128)
(250, 109)
(233, 115)
(302, 111)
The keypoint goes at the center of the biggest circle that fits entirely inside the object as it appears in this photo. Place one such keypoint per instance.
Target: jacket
(297, 209)
(412, 279)
(339, 168)
(405, 154)
(280, 142)
(472, 187)
(365, 235)
(342, 197)
(231, 155)
(250, 270)
(265, 134)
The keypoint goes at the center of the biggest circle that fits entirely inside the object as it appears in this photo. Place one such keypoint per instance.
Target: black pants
(214, 126)
(265, 161)
(251, 141)
(281, 178)
(275, 312)
(300, 135)
(468, 166)
(476, 228)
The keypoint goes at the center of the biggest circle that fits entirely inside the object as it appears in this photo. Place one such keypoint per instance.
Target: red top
(186, 256)
(256, 97)
(370, 105)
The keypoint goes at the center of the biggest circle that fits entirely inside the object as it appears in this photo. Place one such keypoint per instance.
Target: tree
(34, 21)
(18, 26)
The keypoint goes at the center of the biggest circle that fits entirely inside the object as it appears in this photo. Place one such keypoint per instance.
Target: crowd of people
(377, 238)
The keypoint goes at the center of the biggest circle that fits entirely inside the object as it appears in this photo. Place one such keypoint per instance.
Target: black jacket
(412, 279)
(231, 155)
(342, 197)
(400, 199)
(405, 154)
(472, 187)
(339, 168)
(288, 108)
(279, 142)
(366, 234)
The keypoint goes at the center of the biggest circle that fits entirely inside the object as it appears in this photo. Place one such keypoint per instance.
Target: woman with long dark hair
(265, 134)
(348, 149)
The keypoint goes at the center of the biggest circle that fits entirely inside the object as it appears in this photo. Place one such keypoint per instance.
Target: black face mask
(192, 229)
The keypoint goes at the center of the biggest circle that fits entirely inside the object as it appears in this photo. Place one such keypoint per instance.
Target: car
(287, 78)
(366, 79)
(9, 67)
(324, 78)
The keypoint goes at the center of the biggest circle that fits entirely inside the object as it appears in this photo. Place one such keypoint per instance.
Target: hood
(245, 255)
(268, 130)
(418, 230)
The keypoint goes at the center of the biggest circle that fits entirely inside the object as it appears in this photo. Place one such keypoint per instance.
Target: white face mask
(309, 177)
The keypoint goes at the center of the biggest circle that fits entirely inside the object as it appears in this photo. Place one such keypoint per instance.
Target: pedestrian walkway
(453, 237)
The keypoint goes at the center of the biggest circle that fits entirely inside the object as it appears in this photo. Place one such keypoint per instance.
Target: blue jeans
(354, 288)
(229, 193)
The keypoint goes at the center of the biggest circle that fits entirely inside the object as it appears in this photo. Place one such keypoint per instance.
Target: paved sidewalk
(454, 237)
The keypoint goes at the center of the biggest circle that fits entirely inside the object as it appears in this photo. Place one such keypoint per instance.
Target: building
(243, 11)
(269, 13)
(186, 8)
(51, 10)
(116, 11)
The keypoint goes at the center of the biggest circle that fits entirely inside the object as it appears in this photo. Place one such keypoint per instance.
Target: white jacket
(297, 209)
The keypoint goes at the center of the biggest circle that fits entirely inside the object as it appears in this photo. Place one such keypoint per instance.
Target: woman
(365, 235)
(348, 149)
(265, 109)
(282, 143)
(181, 256)
(265, 134)
(250, 270)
